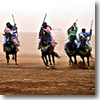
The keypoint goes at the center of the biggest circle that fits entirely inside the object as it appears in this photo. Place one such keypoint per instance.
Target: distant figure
(72, 33)
(12, 30)
(86, 35)
(49, 37)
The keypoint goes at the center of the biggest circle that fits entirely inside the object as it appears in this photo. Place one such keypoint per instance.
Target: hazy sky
(29, 14)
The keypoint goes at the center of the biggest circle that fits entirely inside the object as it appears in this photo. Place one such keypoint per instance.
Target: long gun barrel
(41, 25)
(76, 21)
(15, 24)
(91, 24)
(91, 29)
(13, 19)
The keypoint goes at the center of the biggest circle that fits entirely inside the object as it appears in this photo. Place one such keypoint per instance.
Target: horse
(71, 50)
(10, 48)
(47, 51)
(84, 50)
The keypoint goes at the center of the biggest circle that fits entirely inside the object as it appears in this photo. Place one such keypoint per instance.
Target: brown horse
(47, 51)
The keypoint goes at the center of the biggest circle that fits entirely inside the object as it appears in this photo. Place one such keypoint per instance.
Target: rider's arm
(76, 29)
(68, 31)
(7, 30)
(80, 35)
(87, 34)
(46, 30)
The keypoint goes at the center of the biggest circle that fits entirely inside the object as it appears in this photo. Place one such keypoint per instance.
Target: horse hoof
(51, 65)
(47, 67)
(16, 65)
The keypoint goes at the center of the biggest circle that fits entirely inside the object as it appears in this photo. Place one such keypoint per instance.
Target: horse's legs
(88, 61)
(7, 57)
(16, 59)
(13, 57)
(45, 62)
(75, 60)
(70, 60)
(50, 60)
(83, 60)
(53, 59)
(43, 59)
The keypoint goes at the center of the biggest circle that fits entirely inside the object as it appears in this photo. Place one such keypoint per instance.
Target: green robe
(72, 33)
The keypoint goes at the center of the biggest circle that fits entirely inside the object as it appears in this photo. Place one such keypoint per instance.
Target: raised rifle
(91, 28)
(75, 21)
(15, 24)
(42, 23)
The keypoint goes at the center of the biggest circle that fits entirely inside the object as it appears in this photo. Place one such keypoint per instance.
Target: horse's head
(43, 35)
(72, 38)
(83, 40)
(44, 38)
(71, 45)
(84, 49)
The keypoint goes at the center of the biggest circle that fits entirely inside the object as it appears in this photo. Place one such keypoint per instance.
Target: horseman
(47, 29)
(13, 31)
(87, 35)
(72, 34)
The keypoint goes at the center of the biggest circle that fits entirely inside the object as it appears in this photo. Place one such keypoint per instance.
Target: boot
(39, 47)
(3, 48)
(17, 49)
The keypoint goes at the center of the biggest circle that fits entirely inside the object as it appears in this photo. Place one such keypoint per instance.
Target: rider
(12, 30)
(72, 32)
(50, 39)
(86, 35)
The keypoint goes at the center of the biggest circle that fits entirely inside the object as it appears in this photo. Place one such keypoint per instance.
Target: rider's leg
(39, 44)
(76, 43)
(66, 44)
(79, 43)
(87, 42)
(16, 43)
(4, 42)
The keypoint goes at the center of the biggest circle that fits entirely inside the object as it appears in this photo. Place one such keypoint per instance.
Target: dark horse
(47, 50)
(10, 48)
(84, 51)
(71, 50)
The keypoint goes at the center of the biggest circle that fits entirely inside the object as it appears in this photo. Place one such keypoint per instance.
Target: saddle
(45, 46)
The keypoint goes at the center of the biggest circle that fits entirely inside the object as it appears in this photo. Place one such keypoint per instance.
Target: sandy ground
(32, 78)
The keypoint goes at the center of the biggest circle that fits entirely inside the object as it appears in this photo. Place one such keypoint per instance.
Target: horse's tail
(55, 54)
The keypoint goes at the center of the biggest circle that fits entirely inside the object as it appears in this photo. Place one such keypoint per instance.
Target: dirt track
(32, 78)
